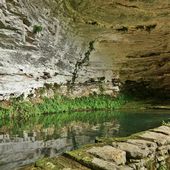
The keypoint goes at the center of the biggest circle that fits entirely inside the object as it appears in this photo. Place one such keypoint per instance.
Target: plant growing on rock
(37, 29)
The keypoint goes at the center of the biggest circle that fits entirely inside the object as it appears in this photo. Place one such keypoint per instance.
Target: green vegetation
(166, 123)
(37, 29)
(60, 104)
(57, 120)
(163, 167)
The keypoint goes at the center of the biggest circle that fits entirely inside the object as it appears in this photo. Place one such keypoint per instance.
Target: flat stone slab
(104, 164)
(162, 129)
(109, 153)
(144, 144)
(159, 138)
(132, 150)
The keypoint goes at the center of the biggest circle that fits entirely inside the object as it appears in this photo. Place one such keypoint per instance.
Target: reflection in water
(24, 142)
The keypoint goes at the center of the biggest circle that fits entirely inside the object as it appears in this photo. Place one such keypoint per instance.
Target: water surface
(23, 142)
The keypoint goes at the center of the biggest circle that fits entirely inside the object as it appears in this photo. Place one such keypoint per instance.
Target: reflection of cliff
(51, 141)
(98, 44)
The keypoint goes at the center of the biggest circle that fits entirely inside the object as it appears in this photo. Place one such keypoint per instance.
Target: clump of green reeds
(61, 104)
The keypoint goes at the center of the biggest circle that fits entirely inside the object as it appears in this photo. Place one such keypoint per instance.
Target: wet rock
(109, 153)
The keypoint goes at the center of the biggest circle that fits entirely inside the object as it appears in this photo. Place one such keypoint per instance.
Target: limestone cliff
(89, 46)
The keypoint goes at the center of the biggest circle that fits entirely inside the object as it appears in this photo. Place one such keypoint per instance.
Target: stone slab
(109, 153)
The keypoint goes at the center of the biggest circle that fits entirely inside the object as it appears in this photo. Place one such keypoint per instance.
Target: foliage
(60, 120)
(59, 104)
(37, 29)
(166, 123)
(163, 167)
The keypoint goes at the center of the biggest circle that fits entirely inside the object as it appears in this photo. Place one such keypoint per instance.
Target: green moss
(48, 86)
(41, 90)
(58, 163)
(118, 139)
(47, 164)
(37, 29)
(166, 123)
(82, 156)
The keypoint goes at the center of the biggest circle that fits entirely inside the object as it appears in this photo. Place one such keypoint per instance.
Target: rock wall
(88, 46)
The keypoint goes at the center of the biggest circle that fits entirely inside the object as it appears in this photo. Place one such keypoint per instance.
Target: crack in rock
(79, 64)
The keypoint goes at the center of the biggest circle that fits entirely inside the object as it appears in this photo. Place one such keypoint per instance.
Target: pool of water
(23, 142)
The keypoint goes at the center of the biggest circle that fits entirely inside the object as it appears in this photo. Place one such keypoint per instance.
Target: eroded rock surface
(100, 45)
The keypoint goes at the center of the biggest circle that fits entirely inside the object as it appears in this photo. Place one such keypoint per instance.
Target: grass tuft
(60, 104)
(37, 29)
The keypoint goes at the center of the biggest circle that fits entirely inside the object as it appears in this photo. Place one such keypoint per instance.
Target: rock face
(87, 45)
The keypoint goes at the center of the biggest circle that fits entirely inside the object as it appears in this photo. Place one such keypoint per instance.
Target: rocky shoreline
(146, 150)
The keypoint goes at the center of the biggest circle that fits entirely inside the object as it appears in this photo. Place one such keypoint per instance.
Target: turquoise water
(124, 122)
(23, 142)
(133, 122)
